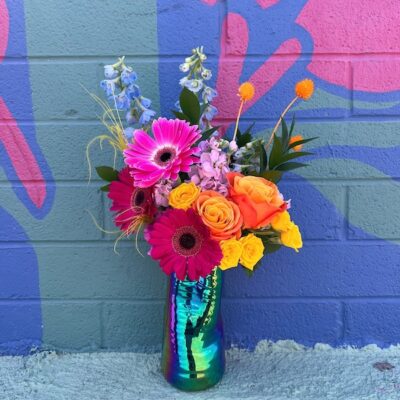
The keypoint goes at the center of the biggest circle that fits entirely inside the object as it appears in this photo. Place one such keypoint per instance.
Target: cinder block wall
(62, 286)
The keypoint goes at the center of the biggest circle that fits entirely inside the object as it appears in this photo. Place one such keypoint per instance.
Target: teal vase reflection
(193, 356)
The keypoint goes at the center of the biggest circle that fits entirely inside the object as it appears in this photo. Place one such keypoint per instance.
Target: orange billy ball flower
(246, 91)
(304, 89)
(296, 139)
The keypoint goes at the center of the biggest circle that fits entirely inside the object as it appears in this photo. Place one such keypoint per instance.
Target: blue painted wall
(62, 286)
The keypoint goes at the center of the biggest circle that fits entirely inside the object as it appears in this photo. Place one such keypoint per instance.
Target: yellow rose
(253, 250)
(281, 221)
(292, 237)
(184, 195)
(231, 251)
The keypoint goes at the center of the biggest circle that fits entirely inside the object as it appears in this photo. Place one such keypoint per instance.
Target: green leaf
(190, 105)
(249, 128)
(273, 176)
(105, 188)
(263, 234)
(298, 142)
(183, 176)
(292, 156)
(107, 173)
(276, 153)
(285, 135)
(271, 247)
(243, 138)
(181, 116)
(290, 165)
(263, 158)
(206, 134)
(292, 126)
(248, 272)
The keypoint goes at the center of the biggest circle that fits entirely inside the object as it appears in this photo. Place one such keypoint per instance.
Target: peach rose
(222, 216)
(258, 199)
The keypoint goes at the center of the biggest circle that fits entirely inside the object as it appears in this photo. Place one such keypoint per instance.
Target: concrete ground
(280, 371)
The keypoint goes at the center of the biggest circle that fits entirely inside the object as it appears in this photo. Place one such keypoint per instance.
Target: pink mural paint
(267, 3)
(13, 140)
(364, 29)
(234, 41)
(21, 157)
(262, 3)
(4, 28)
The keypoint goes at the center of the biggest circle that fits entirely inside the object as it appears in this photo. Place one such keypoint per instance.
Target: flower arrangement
(204, 201)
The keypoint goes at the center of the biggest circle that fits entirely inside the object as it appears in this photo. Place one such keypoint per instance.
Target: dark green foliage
(273, 176)
(271, 247)
(243, 138)
(108, 174)
(282, 153)
(298, 142)
(207, 134)
(105, 188)
(192, 111)
(181, 116)
(263, 157)
(190, 107)
(183, 176)
(290, 165)
(277, 152)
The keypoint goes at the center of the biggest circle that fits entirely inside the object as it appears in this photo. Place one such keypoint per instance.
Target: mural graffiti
(274, 43)
(26, 169)
(300, 38)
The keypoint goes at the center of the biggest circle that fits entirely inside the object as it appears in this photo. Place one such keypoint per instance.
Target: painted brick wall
(62, 286)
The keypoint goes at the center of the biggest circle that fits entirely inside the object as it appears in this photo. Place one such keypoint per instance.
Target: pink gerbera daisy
(163, 156)
(182, 244)
(133, 205)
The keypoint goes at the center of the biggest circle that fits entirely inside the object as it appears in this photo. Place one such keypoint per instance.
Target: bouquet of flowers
(204, 201)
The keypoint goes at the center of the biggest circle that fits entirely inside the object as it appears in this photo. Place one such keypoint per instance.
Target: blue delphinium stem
(195, 81)
(123, 92)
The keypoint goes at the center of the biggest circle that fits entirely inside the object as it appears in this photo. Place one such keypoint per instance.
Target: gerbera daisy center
(138, 198)
(187, 241)
(164, 156)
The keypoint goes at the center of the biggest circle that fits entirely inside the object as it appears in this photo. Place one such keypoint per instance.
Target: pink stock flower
(161, 193)
(210, 172)
(182, 244)
(165, 155)
(132, 205)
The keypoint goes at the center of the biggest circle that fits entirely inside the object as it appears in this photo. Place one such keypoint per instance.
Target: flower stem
(119, 63)
(279, 122)
(237, 120)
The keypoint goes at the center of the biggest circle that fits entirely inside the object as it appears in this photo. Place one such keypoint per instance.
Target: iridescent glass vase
(193, 355)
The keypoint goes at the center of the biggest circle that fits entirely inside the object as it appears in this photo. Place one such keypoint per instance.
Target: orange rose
(222, 216)
(258, 199)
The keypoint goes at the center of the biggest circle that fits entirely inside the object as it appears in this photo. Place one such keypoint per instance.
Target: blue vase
(193, 356)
